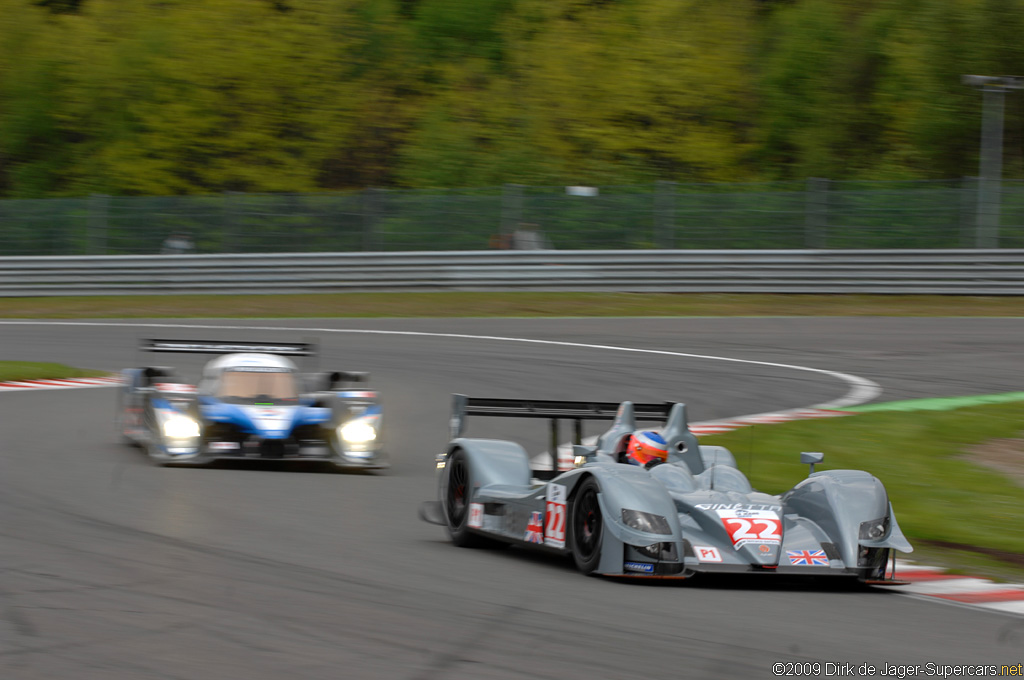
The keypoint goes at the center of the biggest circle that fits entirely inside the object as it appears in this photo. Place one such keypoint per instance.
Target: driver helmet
(645, 448)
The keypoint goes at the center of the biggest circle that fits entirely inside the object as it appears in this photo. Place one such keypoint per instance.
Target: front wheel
(456, 501)
(121, 421)
(587, 527)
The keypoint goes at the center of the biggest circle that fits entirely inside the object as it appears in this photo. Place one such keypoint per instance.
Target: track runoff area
(924, 580)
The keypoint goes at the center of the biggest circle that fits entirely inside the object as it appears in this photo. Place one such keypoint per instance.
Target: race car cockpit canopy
(246, 386)
(250, 379)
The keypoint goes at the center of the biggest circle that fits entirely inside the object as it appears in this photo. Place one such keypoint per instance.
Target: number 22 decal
(555, 516)
(760, 527)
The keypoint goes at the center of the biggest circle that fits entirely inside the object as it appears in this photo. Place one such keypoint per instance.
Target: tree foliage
(172, 97)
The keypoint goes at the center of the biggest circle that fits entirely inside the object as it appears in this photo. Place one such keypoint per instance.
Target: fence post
(227, 239)
(816, 213)
(968, 193)
(511, 209)
(665, 214)
(96, 225)
(371, 199)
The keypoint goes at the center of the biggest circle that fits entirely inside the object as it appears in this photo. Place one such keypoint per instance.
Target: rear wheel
(587, 527)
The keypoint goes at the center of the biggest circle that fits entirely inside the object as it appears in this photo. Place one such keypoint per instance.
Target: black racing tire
(586, 532)
(120, 428)
(456, 501)
(120, 424)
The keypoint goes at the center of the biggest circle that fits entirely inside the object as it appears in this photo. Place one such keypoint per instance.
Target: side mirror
(581, 454)
(339, 377)
(811, 458)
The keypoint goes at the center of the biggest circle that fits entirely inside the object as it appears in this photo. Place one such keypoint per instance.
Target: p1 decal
(535, 528)
(807, 558)
(175, 388)
(476, 515)
(555, 516)
(358, 394)
(707, 554)
(752, 526)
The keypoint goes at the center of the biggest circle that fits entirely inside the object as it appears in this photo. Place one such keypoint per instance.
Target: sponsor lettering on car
(476, 515)
(746, 507)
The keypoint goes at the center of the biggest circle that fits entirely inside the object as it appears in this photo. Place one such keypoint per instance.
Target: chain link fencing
(817, 213)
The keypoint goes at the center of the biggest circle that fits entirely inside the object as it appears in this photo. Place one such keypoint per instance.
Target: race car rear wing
(576, 411)
(293, 349)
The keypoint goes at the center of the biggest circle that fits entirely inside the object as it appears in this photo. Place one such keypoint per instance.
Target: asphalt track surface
(113, 568)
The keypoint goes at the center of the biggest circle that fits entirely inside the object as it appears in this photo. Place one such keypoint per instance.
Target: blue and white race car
(251, 403)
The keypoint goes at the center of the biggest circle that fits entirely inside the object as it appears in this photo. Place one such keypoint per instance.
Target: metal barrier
(943, 272)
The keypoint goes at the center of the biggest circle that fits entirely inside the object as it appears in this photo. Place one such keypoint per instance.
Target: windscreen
(257, 387)
(674, 477)
(724, 478)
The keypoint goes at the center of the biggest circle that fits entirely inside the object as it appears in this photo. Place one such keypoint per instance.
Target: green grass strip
(34, 370)
(505, 304)
(939, 403)
(940, 492)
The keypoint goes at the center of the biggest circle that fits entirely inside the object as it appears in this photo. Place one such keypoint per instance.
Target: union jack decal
(535, 528)
(807, 558)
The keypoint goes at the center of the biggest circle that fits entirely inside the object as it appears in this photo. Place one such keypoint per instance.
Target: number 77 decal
(755, 526)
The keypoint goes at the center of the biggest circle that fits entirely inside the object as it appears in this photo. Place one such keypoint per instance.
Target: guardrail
(943, 272)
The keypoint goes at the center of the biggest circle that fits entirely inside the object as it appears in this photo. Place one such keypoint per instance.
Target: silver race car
(251, 403)
(694, 513)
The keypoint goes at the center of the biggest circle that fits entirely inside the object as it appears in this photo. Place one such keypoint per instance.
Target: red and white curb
(61, 384)
(969, 591)
(720, 426)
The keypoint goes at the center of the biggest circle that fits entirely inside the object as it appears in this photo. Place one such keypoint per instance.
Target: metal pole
(990, 160)
(554, 444)
(664, 214)
(990, 168)
(227, 238)
(97, 224)
(371, 199)
(968, 211)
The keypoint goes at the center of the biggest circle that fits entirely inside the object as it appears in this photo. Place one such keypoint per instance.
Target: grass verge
(34, 370)
(941, 497)
(466, 304)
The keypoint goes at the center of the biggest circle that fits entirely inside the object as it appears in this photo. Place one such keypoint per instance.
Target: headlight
(646, 522)
(357, 432)
(180, 427)
(874, 529)
(658, 551)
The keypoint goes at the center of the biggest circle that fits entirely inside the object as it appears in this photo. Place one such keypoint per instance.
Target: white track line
(860, 390)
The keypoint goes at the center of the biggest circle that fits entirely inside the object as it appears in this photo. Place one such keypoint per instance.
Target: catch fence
(817, 214)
